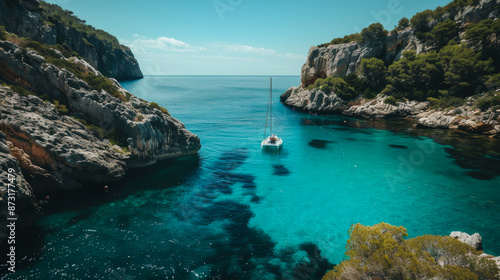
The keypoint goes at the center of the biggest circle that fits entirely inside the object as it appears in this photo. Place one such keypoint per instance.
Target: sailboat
(271, 141)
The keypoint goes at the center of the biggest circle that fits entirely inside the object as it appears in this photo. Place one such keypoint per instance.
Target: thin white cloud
(294, 56)
(143, 45)
(247, 49)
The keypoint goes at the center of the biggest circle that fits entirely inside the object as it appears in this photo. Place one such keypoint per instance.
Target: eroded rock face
(25, 202)
(23, 17)
(466, 118)
(59, 151)
(343, 59)
(377, 108)
(313, 100)
(54, 151)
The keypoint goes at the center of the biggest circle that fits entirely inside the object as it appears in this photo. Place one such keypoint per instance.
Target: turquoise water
(237, 212)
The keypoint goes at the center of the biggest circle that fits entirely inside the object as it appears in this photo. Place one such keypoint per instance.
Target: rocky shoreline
(344, 59)
(466, 117)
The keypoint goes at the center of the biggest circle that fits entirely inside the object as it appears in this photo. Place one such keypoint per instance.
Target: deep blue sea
(237, 212)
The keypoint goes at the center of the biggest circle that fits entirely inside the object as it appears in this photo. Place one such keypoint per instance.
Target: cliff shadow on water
(164, 175)
(30, 240)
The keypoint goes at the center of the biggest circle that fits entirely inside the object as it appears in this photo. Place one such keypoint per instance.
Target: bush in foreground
(382, 252)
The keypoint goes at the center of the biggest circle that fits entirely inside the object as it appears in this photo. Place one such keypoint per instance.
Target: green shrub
(3, 33)
(373, 32)
(103, 83)
(420, 21)
(335, 85)
(403, 23)
(382, 252)
(453, 71)
(374, 70)
(488, 101)
(445, 102)
(115, 136)
(42, 49)
(68, 65)
(96, 82)
(21, 90)
(356, 37)
(156, 106)
(368, 94)
(96, 131)
(391, 100)
(84, 122)
(66, 50)
(61, 108)
(442, 33)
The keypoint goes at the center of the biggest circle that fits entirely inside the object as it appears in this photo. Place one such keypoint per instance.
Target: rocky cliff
(43, 22)
(64, 124)
(343, 59)
(64, 145)
(340, 60)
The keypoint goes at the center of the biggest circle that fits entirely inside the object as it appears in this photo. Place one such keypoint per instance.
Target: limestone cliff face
(343, 59)
(25, 202)
(25, 18)
(63, 147)
(63, 140)
(313, 100)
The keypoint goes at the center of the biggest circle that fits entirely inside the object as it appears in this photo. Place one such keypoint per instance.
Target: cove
(235, 212)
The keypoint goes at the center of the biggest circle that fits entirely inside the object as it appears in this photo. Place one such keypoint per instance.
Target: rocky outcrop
(343, 59)
(25, 18)
(56, 151)
(465, 117)
(377, 108)
(474, 240)
(313, 100)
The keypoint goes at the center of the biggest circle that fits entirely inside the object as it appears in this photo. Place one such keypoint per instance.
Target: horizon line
(260, 75)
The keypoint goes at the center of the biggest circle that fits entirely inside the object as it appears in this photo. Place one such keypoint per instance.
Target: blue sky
(234, 37)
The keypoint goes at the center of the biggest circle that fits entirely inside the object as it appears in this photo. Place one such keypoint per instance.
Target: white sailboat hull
(269, 142)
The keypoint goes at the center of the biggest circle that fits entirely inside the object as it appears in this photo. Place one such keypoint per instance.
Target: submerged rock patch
(398, 146)
(480, 175)
(280, 170)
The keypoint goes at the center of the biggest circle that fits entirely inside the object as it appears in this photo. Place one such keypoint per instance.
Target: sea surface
(237, 212)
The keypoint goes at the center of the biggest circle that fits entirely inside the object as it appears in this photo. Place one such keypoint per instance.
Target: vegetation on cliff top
(373, 32)
(445, 75)
(53, 15)
(96, 82)
(382, 252)
(420, 22)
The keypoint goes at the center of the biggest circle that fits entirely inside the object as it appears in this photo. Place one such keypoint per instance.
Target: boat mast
(271, 103)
